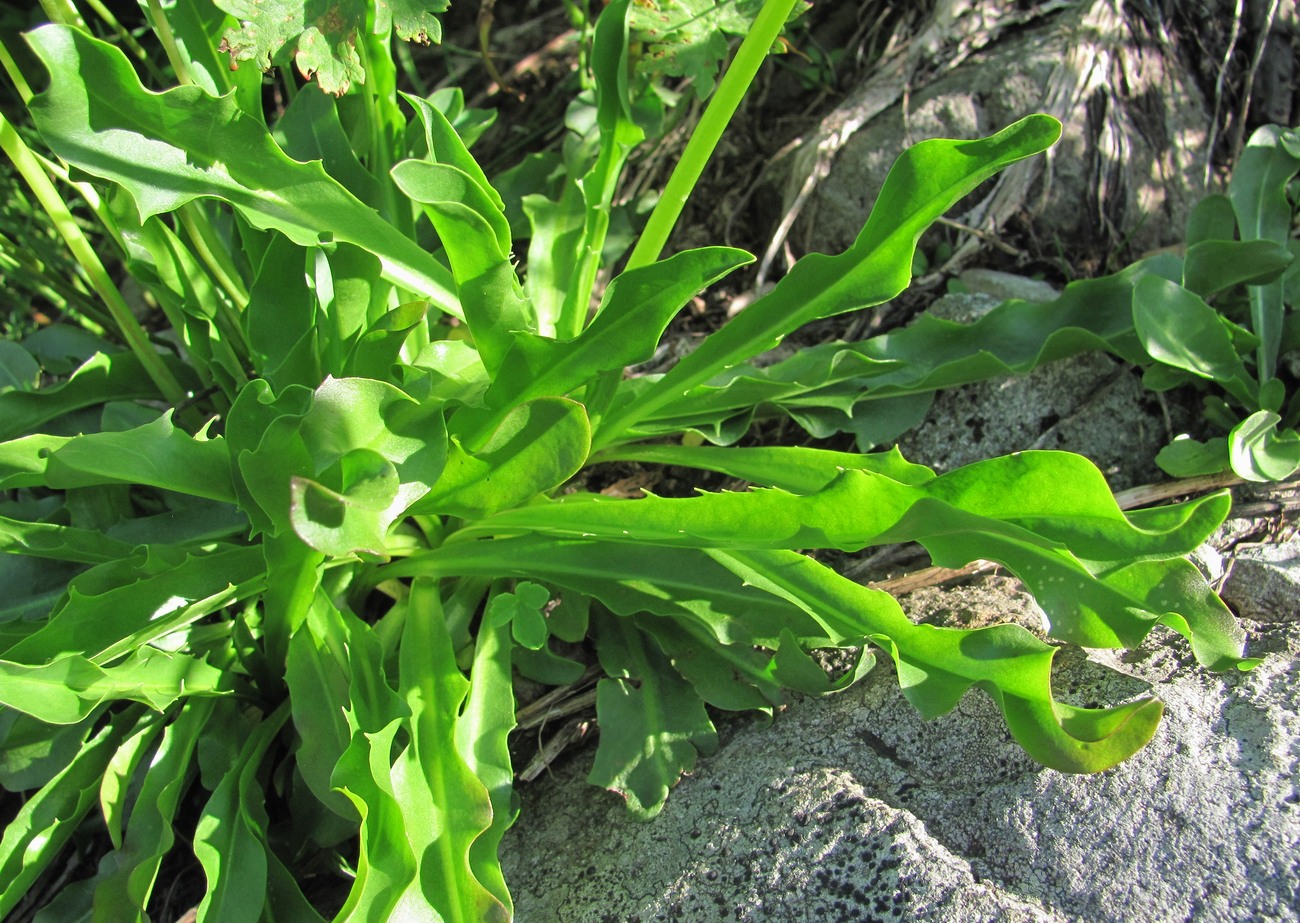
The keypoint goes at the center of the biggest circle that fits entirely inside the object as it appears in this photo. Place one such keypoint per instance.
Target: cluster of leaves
(1221, 312)
(1231, 315)
(271, 576)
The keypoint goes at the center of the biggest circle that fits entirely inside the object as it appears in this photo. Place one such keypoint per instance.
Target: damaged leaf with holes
(321, 37)
(689, 38)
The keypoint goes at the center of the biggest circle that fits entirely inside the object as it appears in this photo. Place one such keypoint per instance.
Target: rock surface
(852, 808)
(1265, 581)
(1090, 404)
(1128, 167)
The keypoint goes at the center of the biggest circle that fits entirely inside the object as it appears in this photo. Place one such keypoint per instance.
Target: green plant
(1231, 314)
(281, 565)
(1221, 312)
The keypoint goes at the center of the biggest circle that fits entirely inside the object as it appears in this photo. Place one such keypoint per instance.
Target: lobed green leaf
(115, 793)
(476, 235)
(1060, 496)
(103, 377)
(1212, 266)
(683, 584)
(230, 838)
(446, 806)
(537, 446)
(156, 454)
(316, 672)
(1259, 451)
(126, 876)
(936, 666)
(46, 821)
(62, 543)
(798, 469)
(170, 148)
(67, 690)
(114, 608)
(1103, 577)
(636, 309)
(924, 182)
(880, 387)
(1179, 329)
(651, 732)
(445, 146)
(482, 739)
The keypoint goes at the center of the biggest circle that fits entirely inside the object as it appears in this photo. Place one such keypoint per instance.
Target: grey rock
(1006, 285)
(1090, 404)
(1264, 583)
(1211, 562)
(1129, 165)
(964, 307)
(853, 808)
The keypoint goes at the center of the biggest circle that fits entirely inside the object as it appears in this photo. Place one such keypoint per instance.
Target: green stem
(380, 100)
(11, 68)
(412, 73)
(214, 257)
(731, 90)
(618, 135)
(63, 11)
(219, 264)
(598, 196)
(164, 30)
(134, 335)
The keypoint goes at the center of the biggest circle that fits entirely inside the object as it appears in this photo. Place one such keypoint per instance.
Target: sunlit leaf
(937, 665)
(1260, 451)
(473, 229)
(157, 454)
(1049, 517)
(67, 690)
(924, 182)
(46, 820)
(322, 42)
(688, 38)
(114, 608)
(635, 311)
(538, 446)
(127, 875)
(445, 804)
(316, 673)
(880, 387)
(482, 739)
